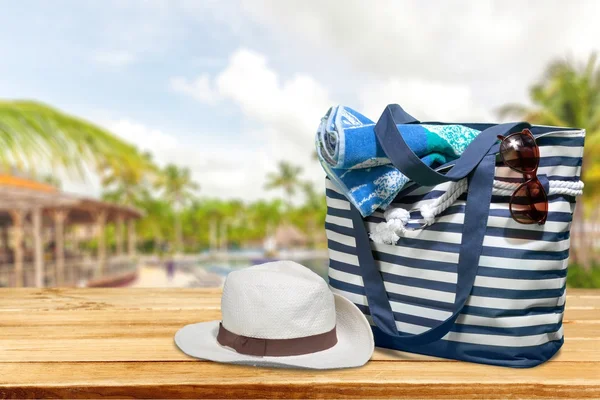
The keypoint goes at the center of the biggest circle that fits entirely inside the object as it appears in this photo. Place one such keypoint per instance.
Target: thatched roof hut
(288, 236)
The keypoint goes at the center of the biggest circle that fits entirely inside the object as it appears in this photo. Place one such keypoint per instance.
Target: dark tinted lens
(520, 152)
(529, 203)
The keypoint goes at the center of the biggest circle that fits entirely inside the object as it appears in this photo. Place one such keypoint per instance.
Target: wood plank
(376, 379)
(146, 335)
(583, 301)
(15, 299)
(28, 299)
(572, 314)
(149, 323)
(119, 343)
(69, 324)
(12, 323)
(187, 315)
(110, 349)
(583, 292)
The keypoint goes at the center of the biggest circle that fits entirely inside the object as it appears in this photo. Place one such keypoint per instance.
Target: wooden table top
(77, 343)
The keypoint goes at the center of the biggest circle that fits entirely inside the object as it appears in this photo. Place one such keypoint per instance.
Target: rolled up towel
(353, 159)
(348, 141)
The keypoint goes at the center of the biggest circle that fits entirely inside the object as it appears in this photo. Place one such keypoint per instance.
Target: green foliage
(176, 185)
(287, 178)
(586, 278)
(246, 224)
(34, 134)
(173, 213)
(129, 186)
(178, 189)
(568, 95)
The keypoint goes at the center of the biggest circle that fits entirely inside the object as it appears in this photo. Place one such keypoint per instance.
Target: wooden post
(18, 218)
(120, 229)
(5, 240)
(38, 245)
(132, 238)
(59, 217)
(100, 225)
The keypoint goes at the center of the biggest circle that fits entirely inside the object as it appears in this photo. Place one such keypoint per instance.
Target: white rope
(390, 231)
(569, 188)
(430, 210)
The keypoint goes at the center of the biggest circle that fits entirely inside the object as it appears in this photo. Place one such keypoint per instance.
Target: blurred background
(165, 143)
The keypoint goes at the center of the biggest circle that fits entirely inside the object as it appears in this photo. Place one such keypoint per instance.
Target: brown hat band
(276, 347)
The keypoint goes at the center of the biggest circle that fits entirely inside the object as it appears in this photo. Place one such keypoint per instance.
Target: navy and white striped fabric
(513, 316)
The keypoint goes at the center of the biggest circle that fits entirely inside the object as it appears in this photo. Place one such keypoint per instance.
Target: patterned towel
(354, 160)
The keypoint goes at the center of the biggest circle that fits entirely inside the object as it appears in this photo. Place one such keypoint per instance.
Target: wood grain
(376, 379)
(146, 335)
(78, 343)
(20, 299)
(64, 299)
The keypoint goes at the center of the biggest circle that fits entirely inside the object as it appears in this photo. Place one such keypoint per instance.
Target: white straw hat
(281, 314)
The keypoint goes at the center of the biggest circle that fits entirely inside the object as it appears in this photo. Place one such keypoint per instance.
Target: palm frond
(32, 133)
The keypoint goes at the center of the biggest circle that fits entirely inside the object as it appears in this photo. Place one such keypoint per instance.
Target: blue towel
(343, 128)
(354, 160)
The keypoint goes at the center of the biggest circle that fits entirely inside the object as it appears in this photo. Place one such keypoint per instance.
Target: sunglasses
(529, 202)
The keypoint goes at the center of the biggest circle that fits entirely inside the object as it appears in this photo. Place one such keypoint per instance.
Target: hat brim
(354, 347)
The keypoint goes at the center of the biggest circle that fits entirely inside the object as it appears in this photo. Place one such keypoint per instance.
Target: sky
(231, 88)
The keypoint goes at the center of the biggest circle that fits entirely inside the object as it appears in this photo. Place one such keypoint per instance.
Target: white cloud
(497, 48)
(208, 62)
(288, 110)
(113, 58)
(147, 139)
(200, 88)
(424, 100)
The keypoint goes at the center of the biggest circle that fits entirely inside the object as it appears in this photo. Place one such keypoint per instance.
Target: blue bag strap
(400, 116)
(403, 158)
(476, 215)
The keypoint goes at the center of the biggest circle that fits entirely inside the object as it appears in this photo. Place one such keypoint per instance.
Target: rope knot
(428, 211)
(397, 213)
(390, 231)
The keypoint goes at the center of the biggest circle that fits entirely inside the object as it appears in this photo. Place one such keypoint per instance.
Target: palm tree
(264, 216)
(178, 188)
(314, 209)
(156, 224)
(569, 95)
(129, 186)
(33, 134)
(287, 178)
(313, 200)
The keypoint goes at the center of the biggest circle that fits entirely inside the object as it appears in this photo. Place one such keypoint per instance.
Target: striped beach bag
(466, 281)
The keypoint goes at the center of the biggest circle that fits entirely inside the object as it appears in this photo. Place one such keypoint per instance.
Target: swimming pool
(213, 273)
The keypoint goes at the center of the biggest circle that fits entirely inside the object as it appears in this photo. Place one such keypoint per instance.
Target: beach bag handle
(478, 165)
(407, 162)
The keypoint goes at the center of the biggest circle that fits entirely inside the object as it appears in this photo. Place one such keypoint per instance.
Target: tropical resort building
(50, 238)
(288, 236)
